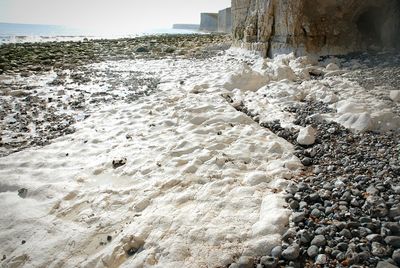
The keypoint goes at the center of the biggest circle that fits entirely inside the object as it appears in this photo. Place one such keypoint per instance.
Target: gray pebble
(342, 246)
(374, 238)
(394, 211)
(385, 264)
(316, 213)
(291, 253)
(307, 161)
(245, 262)
(312, 251)
(292, 189)
(396, 256)
(319, 241)
(269, 262)
(304, 236)
(298, 217)
(291, 233)
(294, 205)
(276, 252)
(379, 250)
(394, 241)
(321, 259)
(346, 233)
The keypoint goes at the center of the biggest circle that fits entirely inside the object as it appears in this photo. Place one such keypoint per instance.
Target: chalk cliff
(225, 20)
(209, 22)
(317, 26)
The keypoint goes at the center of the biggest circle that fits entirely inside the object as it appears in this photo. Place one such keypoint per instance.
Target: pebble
(291, 253)
(332, 67)
(307, 136)
(394, 211)
(276, 252)
(379, 250)
(294, 205)
(307, 161)
(342, 246)
(245, 262)
(23, 192)
(395, 95)
(319, 241)
(312, 251)
(346, 233)
(316, 213)
(385, 264)
(304, 236)
(142, 50)
(119, 162)
(374, 238)
(394, 241)
(396, 256)
(269, 262)
(298, 216)
(290, 233)
(321, 259)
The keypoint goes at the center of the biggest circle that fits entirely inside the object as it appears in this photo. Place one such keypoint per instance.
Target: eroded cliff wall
(225, 20)
(316, 26)
(209, 22)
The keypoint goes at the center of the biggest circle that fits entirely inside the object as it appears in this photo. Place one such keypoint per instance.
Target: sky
(108, 15)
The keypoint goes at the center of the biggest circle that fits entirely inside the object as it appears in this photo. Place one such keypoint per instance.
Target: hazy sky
(123, 15)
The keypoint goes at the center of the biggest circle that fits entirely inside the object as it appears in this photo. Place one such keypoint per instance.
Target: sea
(20, 33)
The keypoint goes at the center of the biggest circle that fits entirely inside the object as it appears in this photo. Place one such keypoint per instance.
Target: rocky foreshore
(47, 87)
(346, 203)
(28, 58)
(242, 141)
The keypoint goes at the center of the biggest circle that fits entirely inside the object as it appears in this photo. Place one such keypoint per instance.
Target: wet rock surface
(45, 88)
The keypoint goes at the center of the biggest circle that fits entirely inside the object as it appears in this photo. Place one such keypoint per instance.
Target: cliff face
(316, 26)
(225, 20)
(209, 22)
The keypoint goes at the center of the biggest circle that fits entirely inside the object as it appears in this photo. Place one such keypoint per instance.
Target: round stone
(276, 252)
(291, 253)
(316, 213)
(394, 241)
(312, 251)
(321, 259)
(294, 205)
(377, 249)
(319, 241)
(269, 262)
(298, 217)
(245, 262)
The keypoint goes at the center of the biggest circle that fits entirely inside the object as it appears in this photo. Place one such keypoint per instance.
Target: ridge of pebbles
(346, 203)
